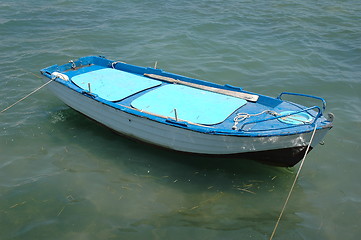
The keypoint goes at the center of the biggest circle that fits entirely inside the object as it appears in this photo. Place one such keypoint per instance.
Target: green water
(62, 176)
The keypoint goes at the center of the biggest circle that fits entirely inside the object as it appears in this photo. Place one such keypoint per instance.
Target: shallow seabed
(62, 176)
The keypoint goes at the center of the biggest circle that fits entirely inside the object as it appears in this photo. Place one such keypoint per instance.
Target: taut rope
(28, 94)
(294, 183)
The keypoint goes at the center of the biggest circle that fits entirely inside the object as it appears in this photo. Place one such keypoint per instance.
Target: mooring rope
(7, 108)
(293, 184)
(242, 116)
(22, 69)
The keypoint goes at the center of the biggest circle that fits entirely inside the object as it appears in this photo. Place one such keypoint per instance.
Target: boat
(190, 115)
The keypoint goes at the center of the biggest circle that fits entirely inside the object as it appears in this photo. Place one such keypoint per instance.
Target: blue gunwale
(264, 127)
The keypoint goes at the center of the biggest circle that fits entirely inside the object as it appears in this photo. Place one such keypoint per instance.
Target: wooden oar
(246, 96)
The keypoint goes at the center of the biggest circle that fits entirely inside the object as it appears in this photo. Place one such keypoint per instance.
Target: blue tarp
(191, 104)
(113, 85)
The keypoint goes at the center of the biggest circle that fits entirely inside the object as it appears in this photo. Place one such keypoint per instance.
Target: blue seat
(193, 105)
(112, 84)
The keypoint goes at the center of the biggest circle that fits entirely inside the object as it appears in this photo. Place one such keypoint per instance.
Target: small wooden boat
(189, 115)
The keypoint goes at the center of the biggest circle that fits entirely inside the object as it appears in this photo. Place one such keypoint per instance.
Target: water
(62, 176)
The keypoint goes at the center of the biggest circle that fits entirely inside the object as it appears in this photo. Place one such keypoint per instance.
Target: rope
(22, 69)
(242, 116)
(26, 96)
(293, 184)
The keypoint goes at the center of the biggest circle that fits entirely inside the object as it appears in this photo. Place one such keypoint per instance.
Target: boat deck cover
(191, 104)
(113, 85)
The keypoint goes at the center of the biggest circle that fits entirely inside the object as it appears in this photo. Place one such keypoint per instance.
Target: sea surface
(63, 176)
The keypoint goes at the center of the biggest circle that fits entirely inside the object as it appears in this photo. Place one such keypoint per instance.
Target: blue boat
(190, 115)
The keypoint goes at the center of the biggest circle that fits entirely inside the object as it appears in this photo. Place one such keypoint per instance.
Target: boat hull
(283, 150)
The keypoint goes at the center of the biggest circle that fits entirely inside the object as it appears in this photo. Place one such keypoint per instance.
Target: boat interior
(185, 100)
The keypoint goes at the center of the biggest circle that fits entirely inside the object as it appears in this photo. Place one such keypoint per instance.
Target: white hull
(177, 138)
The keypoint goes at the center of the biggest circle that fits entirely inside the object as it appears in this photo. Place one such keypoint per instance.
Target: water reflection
(127, 187)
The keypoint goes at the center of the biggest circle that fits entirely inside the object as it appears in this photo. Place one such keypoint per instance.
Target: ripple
(49, 152)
